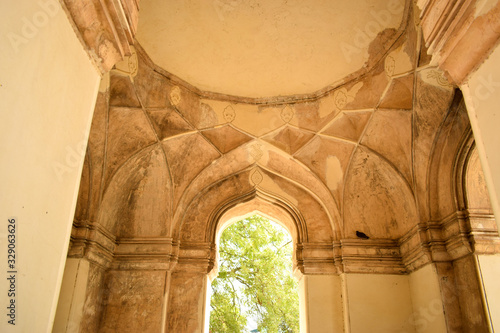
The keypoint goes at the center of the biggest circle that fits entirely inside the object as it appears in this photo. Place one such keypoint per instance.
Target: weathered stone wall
(388, 155)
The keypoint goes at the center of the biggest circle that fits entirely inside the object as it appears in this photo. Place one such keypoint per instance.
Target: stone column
(482, 97)
(489, 268)
(47, 95)
(72, 296)
(81, 299)
(462, 37)
(134, 300)
(187, 306)
(187, 300)
(81, 296)
(321, 308)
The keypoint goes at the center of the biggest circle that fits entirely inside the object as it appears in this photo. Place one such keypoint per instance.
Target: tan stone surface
(96, 152)
(106, 29)
(289, 139)
(186, 302)
(226, 138)
(94, 302)
(389, 133)
(348, 125)
(192, 150)
(432, 102)
(370, 185)
(129, 131)
(144, 182)
(452, 144)
(328, 159)
(371, 89)
(388, 153)
(168, 122)
(122, 92)
(460, 48)
(469, 293)
(313, 116)
(151, 88)
(477, 193)
(254, 47)
(169, 162)
(133, 301)
(450, 293)
(399, 95)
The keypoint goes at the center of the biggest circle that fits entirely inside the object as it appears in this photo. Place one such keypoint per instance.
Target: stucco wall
(47, 94)
(379, 303)
(482, 96)
(490, 271)
(426, 300)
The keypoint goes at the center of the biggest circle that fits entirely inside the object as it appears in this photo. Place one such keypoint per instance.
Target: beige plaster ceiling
(262, 48)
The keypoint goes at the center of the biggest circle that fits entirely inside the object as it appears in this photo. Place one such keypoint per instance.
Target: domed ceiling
(266, 48)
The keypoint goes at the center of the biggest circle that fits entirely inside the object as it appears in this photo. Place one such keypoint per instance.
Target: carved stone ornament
(106, 28)
(459, 34)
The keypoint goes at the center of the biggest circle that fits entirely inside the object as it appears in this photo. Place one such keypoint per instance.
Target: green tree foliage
(255, 277)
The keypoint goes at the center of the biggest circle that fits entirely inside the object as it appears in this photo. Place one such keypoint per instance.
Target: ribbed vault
(375, 174)
(355, 158)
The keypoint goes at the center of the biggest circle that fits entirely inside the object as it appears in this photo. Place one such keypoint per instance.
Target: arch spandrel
(475, 185)
(256, 204)
(266, 157)
(136, 203)
(229, 164)
(454, 135)
(377, 199)
(310, 254)
(236, 189)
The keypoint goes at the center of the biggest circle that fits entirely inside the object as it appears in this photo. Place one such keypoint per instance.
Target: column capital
(460, 34)
(106, 28)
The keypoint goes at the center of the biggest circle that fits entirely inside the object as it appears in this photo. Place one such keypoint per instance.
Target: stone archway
(196, 266)
(280, 219)
(370, 156)
(258, 203)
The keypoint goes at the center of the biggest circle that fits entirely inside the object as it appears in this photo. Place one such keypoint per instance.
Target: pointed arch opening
(255, 287)
(199, 233)
(266, 206)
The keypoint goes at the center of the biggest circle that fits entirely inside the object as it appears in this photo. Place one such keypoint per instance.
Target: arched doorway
(313, 264)
(255, 287)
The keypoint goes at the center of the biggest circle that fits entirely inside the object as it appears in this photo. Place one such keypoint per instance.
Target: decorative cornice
(379, 256)
(196, 257)
(455, 236)
(315, 258)
(460, 234)
(151, 253)
(105, 27)
(459, 35)
(93, 242)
